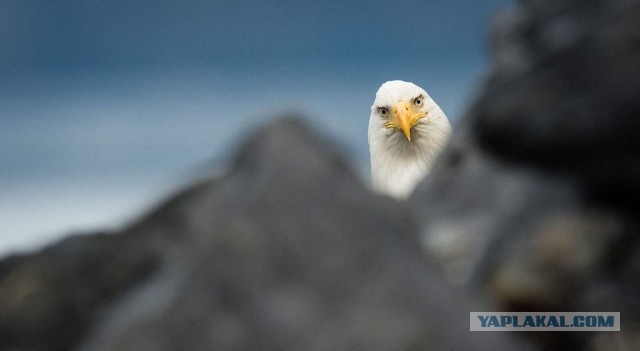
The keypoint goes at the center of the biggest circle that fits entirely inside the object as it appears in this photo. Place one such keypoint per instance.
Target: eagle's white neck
(398, 165)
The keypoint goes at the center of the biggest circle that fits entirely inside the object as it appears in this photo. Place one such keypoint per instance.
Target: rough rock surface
(536, 199)
(288, 251)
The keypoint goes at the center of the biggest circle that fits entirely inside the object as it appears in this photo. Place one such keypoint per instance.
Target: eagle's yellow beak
(405, 117)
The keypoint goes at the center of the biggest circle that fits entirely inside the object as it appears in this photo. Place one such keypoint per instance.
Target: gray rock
(288, 251)
(476, 204)
(564, 90)
(48, 300)
(535, 201)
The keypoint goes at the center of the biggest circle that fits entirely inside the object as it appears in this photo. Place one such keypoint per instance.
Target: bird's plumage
(397, 163)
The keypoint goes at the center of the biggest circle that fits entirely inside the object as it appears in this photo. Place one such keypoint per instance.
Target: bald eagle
(407, 131)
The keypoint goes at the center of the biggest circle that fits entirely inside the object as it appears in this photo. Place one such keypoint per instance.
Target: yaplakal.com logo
(544, 321)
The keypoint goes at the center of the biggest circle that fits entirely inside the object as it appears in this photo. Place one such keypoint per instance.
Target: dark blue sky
(122, 34)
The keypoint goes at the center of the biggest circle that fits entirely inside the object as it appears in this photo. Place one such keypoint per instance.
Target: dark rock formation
(288, 251)
(565, 89)
(48, 300)
(536, 200)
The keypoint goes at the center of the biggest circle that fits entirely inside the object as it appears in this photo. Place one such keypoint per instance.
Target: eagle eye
(383, 111)
(419, 101)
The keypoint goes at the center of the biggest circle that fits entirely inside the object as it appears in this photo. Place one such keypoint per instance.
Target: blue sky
(83, 34)
(107, 106)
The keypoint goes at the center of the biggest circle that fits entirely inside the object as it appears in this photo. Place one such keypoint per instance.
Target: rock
(476, 204)
(564, 91)
(535, 201)
(288, 251)
(48, 300)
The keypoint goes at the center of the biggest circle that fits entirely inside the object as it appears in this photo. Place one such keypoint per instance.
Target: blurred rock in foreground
(537, 200)
(289, 251)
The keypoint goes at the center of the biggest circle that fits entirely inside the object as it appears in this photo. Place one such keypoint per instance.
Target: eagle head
(407, 131)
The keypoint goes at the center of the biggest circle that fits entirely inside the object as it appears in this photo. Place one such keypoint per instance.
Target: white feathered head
(407, 130)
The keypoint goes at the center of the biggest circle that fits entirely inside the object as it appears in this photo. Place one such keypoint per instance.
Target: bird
(407, 132)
